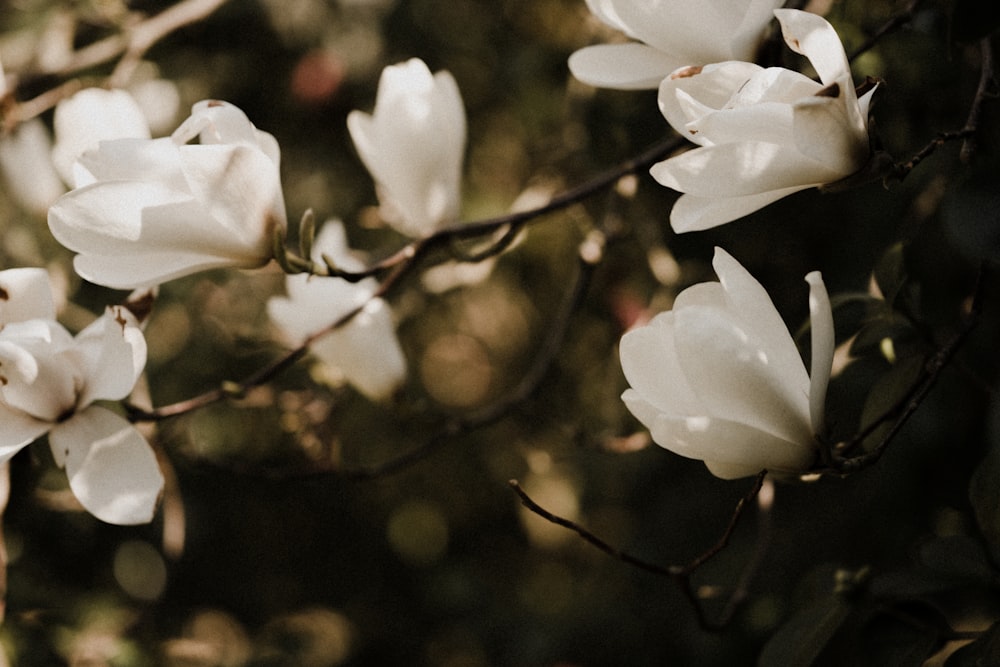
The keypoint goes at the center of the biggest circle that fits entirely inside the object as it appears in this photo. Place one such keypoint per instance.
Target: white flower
(719, 378)
(365, 350)
(413, 146)
(763, 133)
(89, 117)
(49, 381)
(675, 33)
(26, 164)
(146, 211)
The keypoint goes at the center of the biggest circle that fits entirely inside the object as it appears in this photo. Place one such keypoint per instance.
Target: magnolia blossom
(763, 133)
(26, 164)
(145, 211)
(365, 349)
(413, 146)
(674, 33)
(89, 117)
(49, 381)
(719, 378)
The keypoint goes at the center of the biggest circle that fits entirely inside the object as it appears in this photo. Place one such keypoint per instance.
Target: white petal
(19, 430)
(138, 234)
(111, 468)
(26, 163)
(824, 131)
(711, 86)
(25, 294)
(240, 187)
(746, 298)
(740, 169)
(38, 378)
(89, 117)
(823, 343)
(649, 362)
(367, 351)
(112, 355)
(729, 369)
(812, 36)
(692, 214)
(132, 160)
(737, 449)
(622, 66)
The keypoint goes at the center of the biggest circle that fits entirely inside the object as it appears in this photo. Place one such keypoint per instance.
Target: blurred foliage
(269, 552)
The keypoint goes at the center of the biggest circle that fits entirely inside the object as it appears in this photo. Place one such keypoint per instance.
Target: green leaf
(890, 273)
(888, 394)
(800, 641)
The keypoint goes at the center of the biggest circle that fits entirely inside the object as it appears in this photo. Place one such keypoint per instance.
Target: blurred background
(274, 544)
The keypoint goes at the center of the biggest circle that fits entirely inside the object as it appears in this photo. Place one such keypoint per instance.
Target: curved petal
(132, 159)
(824, 132)
(19, 430)
(729, 369)
(740, 169)
(622, 66)
(111, 468)
(692, 214)
(712, 86)
(216, 122)
(38, 378)
(737, 449)
(649, 362)
(749, 301)
(89, 117)
(813, 37)
(25, 294)
(367, 351)
(240, 188)
(111, 353)
(823, 344)
(26, 164)
(133, 234)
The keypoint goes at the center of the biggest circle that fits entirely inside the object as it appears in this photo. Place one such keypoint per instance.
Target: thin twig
(680, 574)
(402, 262)
(911, 401)
(890, 26)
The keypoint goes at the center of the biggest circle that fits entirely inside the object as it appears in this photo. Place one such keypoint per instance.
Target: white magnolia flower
(146, 211)
(89, 117)
(719, 378)
(673, 34)
(763, 133)
(413, 146)
(26, 165)
(365, 350)
(49, 381)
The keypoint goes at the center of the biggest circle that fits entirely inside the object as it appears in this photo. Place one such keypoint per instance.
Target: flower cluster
(49, 382)
(718, 378)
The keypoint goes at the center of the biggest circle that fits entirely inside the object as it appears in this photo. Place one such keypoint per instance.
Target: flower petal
(747, 299)
(649, 362)
(19, 430)
(813, 37)
(25, 294)
(740, 169)
(823, 343)
(112, 355)
(711, 86)
(734, 449)
(728, 368)
(89, 117)
(630, 66)
(692, 214)
(826, 133)
(240, 187)
(111, 468)
(366, 351)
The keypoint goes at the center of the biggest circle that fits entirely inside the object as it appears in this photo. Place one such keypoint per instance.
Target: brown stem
(680, 574)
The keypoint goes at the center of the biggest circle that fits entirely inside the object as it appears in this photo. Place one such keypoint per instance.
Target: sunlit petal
(111, 468)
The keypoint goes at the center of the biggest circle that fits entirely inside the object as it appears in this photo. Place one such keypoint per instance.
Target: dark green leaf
(982, 652)
(802, 639)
